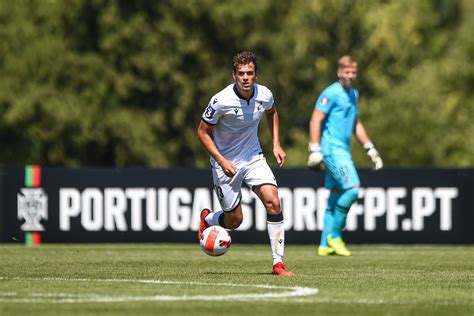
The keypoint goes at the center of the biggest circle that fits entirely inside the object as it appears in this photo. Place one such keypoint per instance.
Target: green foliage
(124, 83)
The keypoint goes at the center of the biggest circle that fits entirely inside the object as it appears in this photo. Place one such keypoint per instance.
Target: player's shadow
(238, 273)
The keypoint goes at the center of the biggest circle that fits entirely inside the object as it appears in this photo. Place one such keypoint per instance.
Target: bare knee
(268, 194)
(272, 206)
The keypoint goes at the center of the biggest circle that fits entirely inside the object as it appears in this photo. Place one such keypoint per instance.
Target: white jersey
(236, 122)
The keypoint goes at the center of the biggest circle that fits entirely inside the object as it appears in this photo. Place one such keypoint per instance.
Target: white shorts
(253, 173)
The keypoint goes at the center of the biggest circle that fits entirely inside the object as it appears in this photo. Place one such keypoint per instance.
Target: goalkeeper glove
(374, 155)
(315, 157)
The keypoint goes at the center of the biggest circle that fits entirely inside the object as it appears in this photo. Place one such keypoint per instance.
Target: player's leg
(324, 249)
(228, 193)
(346, 179)
(268, 194)
(349, 182)
(227, 219)
(331, 183)
(344, 203)
(340, 214)
(262, 181)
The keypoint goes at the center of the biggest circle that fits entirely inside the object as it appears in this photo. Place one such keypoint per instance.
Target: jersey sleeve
(265, 97)
(213, 112)
(356, 96)
(269, 102)
(324, 102)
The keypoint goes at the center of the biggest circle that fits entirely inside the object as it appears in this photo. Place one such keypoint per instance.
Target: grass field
(178, 279)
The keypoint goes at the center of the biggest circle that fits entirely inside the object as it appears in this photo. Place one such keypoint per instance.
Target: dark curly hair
(244, 58)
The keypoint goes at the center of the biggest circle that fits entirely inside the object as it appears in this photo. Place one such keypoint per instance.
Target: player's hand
(374, 155)
(315, 157)
(229, 168)
(280, 155)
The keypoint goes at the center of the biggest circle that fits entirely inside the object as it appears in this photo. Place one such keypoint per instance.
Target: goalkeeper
(334, 120)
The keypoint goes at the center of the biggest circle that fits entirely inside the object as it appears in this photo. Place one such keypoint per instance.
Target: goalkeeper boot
(339, 246)
(203, 225)
(325, 251)
(280, 269)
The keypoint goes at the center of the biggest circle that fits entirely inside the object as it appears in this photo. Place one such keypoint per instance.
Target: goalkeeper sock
(276, 233)
(329, 218)
(340, 211)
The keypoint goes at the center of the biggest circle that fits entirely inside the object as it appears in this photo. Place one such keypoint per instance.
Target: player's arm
(315, 156)
(204, 133)
(274, 126)
(364, 139)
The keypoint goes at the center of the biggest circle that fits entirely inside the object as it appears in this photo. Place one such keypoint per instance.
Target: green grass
(99, 279)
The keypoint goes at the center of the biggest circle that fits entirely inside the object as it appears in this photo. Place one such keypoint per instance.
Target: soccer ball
(215, 241)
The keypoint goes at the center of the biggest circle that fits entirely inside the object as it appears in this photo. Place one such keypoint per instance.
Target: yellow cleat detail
(325, 251)
(339, 246)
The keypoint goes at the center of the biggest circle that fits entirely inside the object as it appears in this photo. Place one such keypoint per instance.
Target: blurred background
(124, 83)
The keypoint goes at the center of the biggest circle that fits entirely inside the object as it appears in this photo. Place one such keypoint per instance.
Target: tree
(124, 83)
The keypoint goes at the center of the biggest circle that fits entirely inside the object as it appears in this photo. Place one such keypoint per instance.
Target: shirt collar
(240, 96)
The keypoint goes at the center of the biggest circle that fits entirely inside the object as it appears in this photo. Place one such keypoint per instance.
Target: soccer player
(334, 120)
(229, 132)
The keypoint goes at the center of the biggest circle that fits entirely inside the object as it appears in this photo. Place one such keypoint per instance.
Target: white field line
(284, 292)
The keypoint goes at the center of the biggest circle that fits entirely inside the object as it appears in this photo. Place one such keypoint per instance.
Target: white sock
(213, 218)
(276, 233)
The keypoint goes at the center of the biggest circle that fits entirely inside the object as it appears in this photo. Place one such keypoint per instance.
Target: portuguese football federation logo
(32, 207)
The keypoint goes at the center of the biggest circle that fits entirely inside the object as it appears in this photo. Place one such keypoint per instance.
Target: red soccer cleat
(203, 225)
(280, 269)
